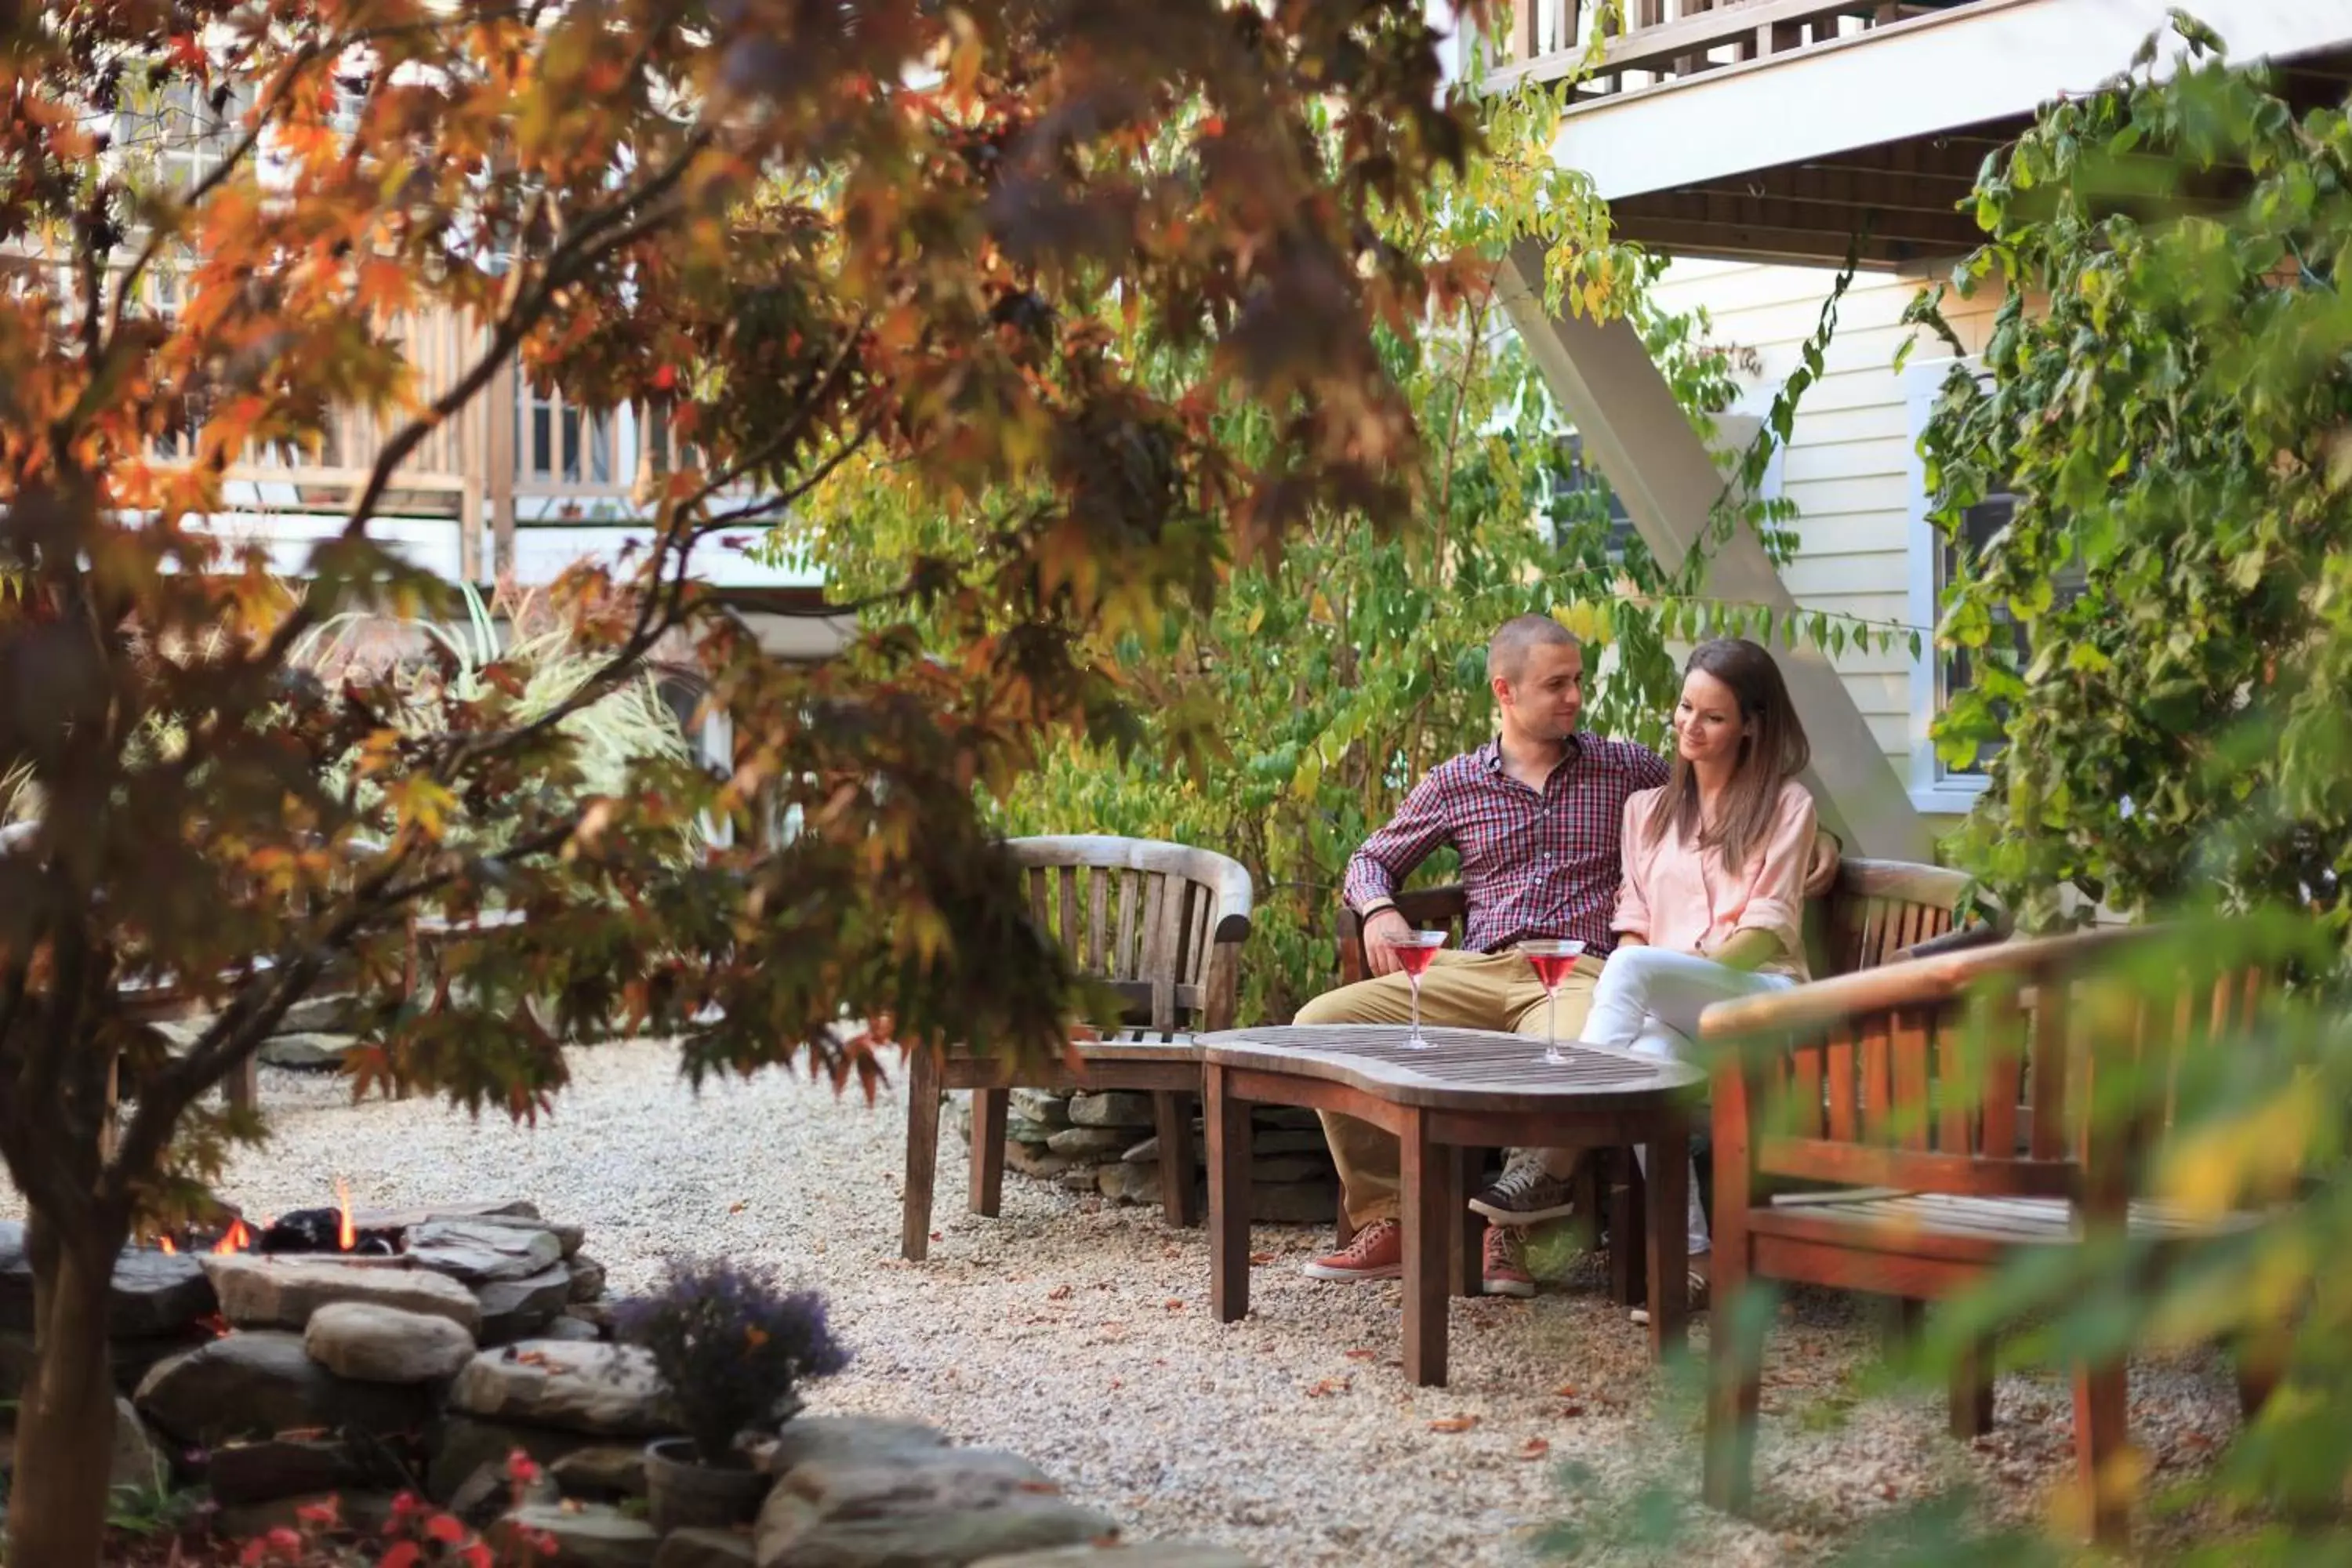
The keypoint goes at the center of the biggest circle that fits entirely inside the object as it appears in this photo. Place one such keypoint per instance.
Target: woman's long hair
(1773, 751)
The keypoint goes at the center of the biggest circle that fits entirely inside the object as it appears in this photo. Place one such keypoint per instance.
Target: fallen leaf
(1327, 1386)
(1566, 1391)
(739, 1206)
(1535, 1448)
(1573, 1410)
(1119, 1383)
(938, 1235)
(1175, 1306)
(1048, 1488)
(1454, 1424)
(1886, 1490)
(1261, 1257)
(1058, 1293)
(1361, 1355)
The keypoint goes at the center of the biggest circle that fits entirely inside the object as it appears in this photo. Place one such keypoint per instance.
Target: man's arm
(1377, 869)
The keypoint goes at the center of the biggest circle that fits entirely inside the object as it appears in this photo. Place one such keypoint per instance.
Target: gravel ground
(1079, 1334)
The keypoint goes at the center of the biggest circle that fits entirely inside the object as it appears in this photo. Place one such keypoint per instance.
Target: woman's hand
(1820, 872)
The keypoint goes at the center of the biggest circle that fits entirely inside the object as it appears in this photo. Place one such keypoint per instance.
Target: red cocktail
(1414, 950)
(1551, 961)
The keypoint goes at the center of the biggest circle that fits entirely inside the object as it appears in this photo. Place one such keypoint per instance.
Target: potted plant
(731, 1345)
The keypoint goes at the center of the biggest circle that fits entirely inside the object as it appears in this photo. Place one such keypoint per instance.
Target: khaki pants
(1459, 991)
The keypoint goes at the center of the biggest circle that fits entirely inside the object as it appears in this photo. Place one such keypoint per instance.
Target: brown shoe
(1504, 1271)
(1377, 1253)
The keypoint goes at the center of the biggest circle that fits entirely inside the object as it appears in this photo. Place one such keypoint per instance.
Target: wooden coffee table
(1469, 1090)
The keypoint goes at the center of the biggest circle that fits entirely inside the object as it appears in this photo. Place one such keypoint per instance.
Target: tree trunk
(65, 1427)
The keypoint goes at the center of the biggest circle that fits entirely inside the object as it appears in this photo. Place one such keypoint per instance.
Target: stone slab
(152, 1293)
(1114, 1108)
(306, 1051)
(518, 1308)
(1088, 1141)
(847, 1439)
(380, 1344)
(283, 1467)
(137, 1459)
(602, 1471)
(479, 1250)
(462, 1444)
(704, 1549)
(262, 1383)
(1039, 1105)
(257, 1291)
(598, 1389)
(590, 1536)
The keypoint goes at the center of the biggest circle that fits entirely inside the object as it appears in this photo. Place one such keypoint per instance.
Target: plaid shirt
(1533, 865)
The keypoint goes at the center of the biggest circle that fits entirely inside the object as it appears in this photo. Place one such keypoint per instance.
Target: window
(1936, 561)
(182, 132)
(1574, 490)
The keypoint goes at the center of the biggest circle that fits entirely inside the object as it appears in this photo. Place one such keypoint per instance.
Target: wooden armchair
(1163, 923)
(1944, 1099)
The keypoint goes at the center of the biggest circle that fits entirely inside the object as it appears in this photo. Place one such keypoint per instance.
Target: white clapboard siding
(1849, 466)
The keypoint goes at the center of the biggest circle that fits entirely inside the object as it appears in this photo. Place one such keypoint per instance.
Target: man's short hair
(1507, 651)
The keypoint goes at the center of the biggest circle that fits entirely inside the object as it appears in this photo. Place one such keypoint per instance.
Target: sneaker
(1697, 1297)
(1377, 1253)
(1505, 1272)
(1524, 1194)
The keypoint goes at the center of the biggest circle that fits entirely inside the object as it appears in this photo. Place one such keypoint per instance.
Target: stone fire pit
(276, 1377)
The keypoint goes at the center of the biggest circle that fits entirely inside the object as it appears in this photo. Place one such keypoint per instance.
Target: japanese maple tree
(801, 231)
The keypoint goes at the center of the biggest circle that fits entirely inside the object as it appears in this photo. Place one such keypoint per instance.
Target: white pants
(1648, 1000)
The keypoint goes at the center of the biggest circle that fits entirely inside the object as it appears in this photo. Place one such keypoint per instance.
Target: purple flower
(731, 1343)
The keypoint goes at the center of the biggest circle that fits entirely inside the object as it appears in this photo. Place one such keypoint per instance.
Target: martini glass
(1551, 961)
(1415, 950)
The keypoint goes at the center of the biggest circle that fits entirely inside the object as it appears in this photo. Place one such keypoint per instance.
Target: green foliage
(1284, 720)
(517, 637)
(2169, 402)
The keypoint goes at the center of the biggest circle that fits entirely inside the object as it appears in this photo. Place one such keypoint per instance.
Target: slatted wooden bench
(1163, 925)
(1947, 1101)
(1877, 910)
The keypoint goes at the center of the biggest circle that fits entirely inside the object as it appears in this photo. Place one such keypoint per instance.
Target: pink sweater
(1678, 898)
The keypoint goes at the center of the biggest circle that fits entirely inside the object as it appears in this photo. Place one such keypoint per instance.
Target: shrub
(732, 1344)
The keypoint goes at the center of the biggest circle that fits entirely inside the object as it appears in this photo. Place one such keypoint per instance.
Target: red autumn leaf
(1261, 1257)
(1566, 1391)
(446, 1529)
(1454, 1424)
(404, 1554)
(1535, 1448)
(1327, 1386)
(1361, 1355)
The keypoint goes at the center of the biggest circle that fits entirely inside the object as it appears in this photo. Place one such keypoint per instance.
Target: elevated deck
(1777, 129)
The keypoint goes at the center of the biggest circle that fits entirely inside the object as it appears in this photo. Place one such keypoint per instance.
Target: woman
(1713, 902)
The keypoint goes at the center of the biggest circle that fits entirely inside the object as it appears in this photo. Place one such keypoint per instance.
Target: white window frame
(1934, 792)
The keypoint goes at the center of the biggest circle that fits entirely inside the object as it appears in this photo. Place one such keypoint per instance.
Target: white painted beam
(1631, 425)
(1993, 60)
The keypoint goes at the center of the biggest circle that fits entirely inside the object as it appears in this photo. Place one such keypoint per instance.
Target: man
(1535, 815)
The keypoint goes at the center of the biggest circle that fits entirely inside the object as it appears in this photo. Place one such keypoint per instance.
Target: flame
(239, 1240)
(165, 1243)
(346, 1237)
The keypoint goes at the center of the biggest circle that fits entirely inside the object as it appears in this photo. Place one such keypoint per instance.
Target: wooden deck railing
(1614, 48)
(515, 456)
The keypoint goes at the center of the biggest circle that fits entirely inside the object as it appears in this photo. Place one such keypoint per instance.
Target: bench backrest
(1163, 923)
(1971, 1073)
(1877, 909)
